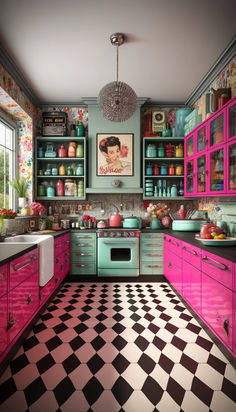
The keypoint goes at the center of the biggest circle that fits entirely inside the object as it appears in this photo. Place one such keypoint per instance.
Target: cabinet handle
(154, 266)
(61, 267)
(83, 244)
(207, 259)
(226, 326)
(193, 252)
(174, 242)
(82, 266)
(66, 261)
(11, 321)
(83, 254)
(154, 244)
(29, 299)
(67, 241)
(153, 254)
(56, 246)
(83, 237)
(57, 280)
(155, 237)
(57, 260)
(169, 265)
(32, 259)
(66, 254)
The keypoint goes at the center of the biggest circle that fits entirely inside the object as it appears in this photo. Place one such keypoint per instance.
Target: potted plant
(6, 219)
(20, 186)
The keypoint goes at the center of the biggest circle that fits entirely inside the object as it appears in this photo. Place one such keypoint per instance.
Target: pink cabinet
(3, 279)
(3, 324)
(210, 155)
(218, 268)
(173, 262)
(234, 323)
(191, 275)
(23, 267)
(217, 308)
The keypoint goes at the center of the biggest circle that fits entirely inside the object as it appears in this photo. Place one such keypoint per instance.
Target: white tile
(210, 376)
(138, 402)
(88, 335)
(131, 352)
(196, 352)
(230, 373)
(129, 335)
(180, 323)
(18, 398)
(108, 352)
(186, 335)
(221, 402)
(76, 402)
(153, 352)
(159, 375)
(107, 376)
(194, 404)
(218, 354)
(182, 376)
(165, 335)
(85, 352)
(135, 376)
(108, 335)
(80, 376)
(105, 401)
(172, 352)
(167, 404)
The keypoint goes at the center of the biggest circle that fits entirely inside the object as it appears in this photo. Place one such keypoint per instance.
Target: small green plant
(19, 184)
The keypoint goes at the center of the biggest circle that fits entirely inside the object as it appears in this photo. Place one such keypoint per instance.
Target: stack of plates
(148, 187)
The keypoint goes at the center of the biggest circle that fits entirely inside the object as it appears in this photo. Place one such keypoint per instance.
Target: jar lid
(69, 180)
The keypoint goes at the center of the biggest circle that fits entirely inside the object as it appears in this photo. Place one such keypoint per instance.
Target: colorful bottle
(60, 188)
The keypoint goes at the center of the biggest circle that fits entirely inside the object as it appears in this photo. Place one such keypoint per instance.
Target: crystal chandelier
(117, 100)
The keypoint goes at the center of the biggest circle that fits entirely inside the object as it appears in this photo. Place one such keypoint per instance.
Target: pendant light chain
(117, 63)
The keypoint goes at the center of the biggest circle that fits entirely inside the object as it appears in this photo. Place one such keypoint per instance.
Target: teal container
(151, 150)
(80, 130)
(51, 191)
(156, 224)
(80, 170)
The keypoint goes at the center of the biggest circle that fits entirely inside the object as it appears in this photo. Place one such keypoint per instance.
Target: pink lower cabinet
(174, 265)
(191, 278)
(217, 309)
(3, 324)
(23, 301)
(234, 322)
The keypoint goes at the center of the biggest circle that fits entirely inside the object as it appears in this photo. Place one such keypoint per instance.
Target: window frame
(9, 123)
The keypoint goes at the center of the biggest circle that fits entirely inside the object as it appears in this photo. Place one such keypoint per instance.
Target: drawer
(3, 279)
(83, 238)
(191, 254)
(173, 244)
(150, 255)
(46, 291)
(152, 246)
(191, 280)
(23, 301)
(57, 246)
(65, 241)
(83, 256)
(217, 308)
(153, 236)
(88, 268)
(3, 324)
(23, 267)
(218, 268)
(174, 260)
(151, 268)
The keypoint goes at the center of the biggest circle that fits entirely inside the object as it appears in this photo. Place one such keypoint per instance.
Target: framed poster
(115, 154)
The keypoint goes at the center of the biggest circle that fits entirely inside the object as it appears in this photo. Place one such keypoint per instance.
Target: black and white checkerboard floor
(118, 347)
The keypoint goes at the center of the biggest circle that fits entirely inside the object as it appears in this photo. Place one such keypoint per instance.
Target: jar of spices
(179, 151)
(62, 170)
(171, 170)
(179, 170)
(156, 170)
(72, 149)
(70, 187)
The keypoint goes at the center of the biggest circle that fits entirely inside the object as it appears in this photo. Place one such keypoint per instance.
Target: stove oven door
(118, 257)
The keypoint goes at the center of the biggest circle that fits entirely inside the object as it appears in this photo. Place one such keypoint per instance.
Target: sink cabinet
(3, 307)
(210, 155)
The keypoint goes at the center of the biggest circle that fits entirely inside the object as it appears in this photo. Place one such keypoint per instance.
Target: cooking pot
(187, 225)
(132, 222)
(115, 220)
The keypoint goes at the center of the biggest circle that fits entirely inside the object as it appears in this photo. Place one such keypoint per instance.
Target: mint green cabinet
(83, 253)
(151, 254)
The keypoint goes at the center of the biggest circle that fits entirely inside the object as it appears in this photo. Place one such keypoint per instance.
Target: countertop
(9, 251)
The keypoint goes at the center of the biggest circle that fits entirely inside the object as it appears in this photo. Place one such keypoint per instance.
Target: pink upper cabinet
(231, 166)
(231, 119)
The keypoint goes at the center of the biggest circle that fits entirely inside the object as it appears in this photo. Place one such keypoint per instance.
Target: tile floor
(118, 347)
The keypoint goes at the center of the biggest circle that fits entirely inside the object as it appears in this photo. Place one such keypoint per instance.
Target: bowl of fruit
(212, 235)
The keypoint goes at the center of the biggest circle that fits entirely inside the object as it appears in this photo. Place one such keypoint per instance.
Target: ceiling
(63, 51)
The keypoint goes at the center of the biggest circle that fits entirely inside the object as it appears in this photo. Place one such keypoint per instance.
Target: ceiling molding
(93, 101)
(60, 104)
(15, 73)
(152, 103)
(226, 56)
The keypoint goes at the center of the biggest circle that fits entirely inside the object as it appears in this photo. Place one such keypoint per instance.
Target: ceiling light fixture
(117, 100)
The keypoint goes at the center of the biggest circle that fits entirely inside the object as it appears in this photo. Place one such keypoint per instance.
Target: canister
(80, 131)
(171, 170)
(179, 151)
(156, 170)
(161, 151)
(41, 190)
(51, 191)
(80, 150)
(169, 150)
(149, 169)
(179, 170)
(80, 170)
(54, 171)
(173, 191)
(70, 187)
(62, 170)
(62, 151)
(72, 149)
(69, 171)
(163, 170)
(151, 150)
(40, 152)
(60, 188)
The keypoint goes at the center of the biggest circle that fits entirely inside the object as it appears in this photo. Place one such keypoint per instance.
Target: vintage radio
(158, 121)
(54, 124)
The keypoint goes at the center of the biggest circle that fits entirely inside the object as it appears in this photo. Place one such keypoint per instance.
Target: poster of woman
(114, 154)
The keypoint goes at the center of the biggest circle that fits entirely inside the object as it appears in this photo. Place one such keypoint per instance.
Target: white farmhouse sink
(46, 253)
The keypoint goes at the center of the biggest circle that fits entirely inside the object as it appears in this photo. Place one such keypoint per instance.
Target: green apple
(213, 234)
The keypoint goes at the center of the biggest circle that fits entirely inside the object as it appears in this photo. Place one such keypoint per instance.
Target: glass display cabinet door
(201, 174)
(189, 179)
(217, 130)
(231, 161)
(201, 139)
(189, 147)
(232, 121)
(216, 170)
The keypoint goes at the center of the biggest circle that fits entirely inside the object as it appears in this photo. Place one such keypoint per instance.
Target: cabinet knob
(29, 299)
(11, 321)
(226, 326)
(169, 265)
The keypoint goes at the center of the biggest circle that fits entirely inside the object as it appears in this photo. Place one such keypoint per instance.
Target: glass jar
(54, 171)
(163, 170)
(171, 170)
(72, 149)
(169, 150)
(40, 152)
(60, 188)
(161, 151)
(151, 150)
(62, 151)
(156, 170)
(80, 170)
(62, 170)
(69, 171)
(70, 187)
(149, 169)
(80, 131)
(51, 191)
(80, 150)
(179, 170)
(179, 151)
(174, 191)
(41, 190)
(80, 188)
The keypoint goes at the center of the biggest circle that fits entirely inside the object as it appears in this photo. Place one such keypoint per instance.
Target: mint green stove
(118, 252)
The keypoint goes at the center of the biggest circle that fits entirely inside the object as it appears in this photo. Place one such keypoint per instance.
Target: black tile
(80, 328)
(179, 308)
(194, 328)
(90, 295)
(56, 301)
(143, 301)
(135, 317)
(71, 363)
(95, 363)
(185, 317)
(171, 328)
(52, 308)
(152, 390)
(101, 317)
(165, 317)
(88, 301)
(202, 391)
(47, 316)
(75, 296)
(72, 301)
(34, 391)
(118, 328)
(174, 301)
(138, 328)
(7, 389)
(131, 301)
(121, 390)
(217, 364)
(204, 343)
(178, 343)
(116, 301)
(117, 308)
(38, 328)
(119, 342)
(53, 343)
(149, 317)
(159, 343)
(120, 363)
(229, 389)
(153, 328)
(133, 308)
(102, 308)
(19, 363)
(189, 364)
(45, 363)
(175, 390)
(76, 343)
(157, 301)
(142, 343)
(99, 328)
(65, 317)
(86, 308)
(118, 317)
(146, 363)
(92, 390)
(69, 308)
(63, 390)
(30, 343)
(83, 317)
(98, 343)
(104, 301)
(166, 363)
(60, 328)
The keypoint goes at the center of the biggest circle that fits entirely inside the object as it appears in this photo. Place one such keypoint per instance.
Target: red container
(156, 170)
(169, 150)
(62, 151)
(171, 170)
(60, 190)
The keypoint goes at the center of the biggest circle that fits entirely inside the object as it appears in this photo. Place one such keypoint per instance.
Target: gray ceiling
(63, 51)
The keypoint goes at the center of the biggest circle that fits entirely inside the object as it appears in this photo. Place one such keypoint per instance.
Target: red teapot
(62, 151)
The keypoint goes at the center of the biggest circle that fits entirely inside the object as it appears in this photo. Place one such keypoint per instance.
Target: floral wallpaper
(227, 78)
(74, 114)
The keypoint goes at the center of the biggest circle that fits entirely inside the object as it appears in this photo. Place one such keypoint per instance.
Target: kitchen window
(7, 162)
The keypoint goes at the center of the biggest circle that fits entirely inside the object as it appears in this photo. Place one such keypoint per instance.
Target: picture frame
(114, 154)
